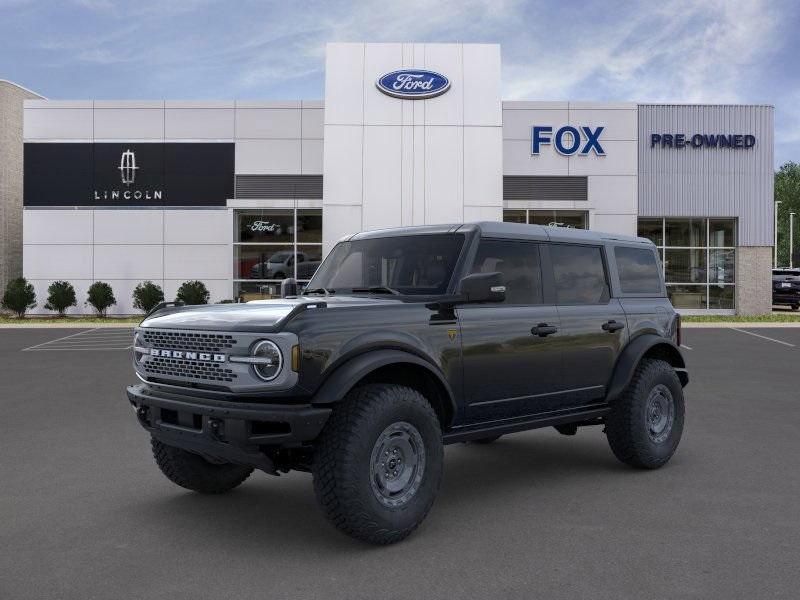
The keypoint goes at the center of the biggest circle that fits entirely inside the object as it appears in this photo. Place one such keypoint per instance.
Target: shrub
(226, 301)
(19, 297)
(101, 297)
(60, 296)
(193, 292)
(147, 295)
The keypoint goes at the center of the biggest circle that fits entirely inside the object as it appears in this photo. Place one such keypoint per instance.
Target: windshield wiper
(320, 290)
(376, 289)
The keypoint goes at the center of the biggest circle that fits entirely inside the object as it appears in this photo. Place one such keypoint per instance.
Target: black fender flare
(336, 386)
(631, 356)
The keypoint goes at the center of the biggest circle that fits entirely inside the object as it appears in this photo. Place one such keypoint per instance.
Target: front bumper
(228, 431)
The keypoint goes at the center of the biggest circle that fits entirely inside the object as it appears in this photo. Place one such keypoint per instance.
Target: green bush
(60, 296)
(147, 295)
(19, 297)
(101, 297)
(193, 292)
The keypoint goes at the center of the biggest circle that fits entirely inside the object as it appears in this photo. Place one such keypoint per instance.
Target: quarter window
(579, 274)
(519, 264)
(638, 270)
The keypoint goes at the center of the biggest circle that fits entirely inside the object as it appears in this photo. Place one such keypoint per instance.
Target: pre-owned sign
(702, 140)
(128, 174)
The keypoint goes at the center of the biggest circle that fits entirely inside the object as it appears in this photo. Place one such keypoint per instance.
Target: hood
(259, 315)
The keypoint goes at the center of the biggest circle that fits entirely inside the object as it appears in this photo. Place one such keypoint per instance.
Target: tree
(193, 292)
(787, 191)
(147, 295)
(19, 297)
(60, 296)
(101, 297)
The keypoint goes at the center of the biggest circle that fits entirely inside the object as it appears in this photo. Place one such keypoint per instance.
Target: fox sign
(568, 140)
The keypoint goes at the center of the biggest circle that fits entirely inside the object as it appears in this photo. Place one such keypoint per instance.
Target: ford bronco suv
(408, 339)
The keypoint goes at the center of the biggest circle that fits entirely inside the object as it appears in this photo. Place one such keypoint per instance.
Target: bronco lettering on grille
(184, 355)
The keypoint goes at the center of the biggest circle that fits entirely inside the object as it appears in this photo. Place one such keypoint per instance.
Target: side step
(490, 428)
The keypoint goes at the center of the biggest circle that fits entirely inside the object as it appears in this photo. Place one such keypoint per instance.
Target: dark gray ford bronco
(406, 340)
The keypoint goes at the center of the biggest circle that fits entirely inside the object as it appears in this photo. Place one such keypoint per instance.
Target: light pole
(791, 239)
(777, 202)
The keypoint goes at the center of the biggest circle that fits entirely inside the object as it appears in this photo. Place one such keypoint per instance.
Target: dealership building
(240, 194)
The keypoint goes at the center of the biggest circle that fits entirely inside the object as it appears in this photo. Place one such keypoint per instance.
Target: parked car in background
(786, 287)
(281, 265)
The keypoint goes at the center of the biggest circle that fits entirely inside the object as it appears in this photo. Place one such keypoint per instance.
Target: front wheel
(795, 306)
(193, 472)
(378, 463)
(646, 423)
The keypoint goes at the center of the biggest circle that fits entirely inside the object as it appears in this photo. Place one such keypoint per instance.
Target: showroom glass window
(273, 244)
(575, 219)
(699, 260)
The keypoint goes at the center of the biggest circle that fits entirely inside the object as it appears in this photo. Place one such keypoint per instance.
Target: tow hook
(215, 425)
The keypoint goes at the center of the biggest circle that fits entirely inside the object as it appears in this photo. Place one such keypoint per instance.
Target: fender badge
(451, 333)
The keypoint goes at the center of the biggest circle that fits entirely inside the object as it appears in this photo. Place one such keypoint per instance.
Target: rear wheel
(378, 463)
(193, 472)
(646, 423)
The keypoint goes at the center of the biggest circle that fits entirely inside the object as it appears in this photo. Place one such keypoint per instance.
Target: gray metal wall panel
(709, 182)
(523, 187)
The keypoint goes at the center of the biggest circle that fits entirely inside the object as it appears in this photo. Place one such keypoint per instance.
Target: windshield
(413, 264)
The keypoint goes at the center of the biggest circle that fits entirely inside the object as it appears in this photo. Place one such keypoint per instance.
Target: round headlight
(270, 360)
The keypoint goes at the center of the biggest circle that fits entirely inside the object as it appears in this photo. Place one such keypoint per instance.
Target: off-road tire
(193, 472)
(795, 306)
(343, 462)
(487, 440)
(627, 426)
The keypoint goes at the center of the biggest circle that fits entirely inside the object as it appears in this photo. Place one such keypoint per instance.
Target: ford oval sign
(413, 84)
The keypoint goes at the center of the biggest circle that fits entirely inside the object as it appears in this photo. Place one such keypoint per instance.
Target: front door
(594, 327)
(511, 354)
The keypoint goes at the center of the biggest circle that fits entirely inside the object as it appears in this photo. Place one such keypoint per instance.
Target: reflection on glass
(721, 296)
(514, 216)
(309, 226)
(722, 266)
(685, 266)
(687, 296)
(685, 232)
(652, 229)
(264, 262)
(722, 232)
(576, 219)
(246, 291)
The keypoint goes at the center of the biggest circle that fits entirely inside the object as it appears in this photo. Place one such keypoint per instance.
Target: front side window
(519, 264)
(414, 265)
(580, 275)
(638, 270)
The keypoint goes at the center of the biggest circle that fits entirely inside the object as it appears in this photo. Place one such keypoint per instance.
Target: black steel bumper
(230, 431)
(785, 297)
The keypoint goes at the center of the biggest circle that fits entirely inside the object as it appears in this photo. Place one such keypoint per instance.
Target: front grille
(188, 369)
(197, 342)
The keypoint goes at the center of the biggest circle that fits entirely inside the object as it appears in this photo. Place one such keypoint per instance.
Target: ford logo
(413, 84)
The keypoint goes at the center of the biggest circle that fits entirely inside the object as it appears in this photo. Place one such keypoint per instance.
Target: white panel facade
(198, 261)
(125, 122)
(71, 121)
(268, 157)
(193, 226)
(128, 226)
(268, 123)
(199, 123)
(403, 161)
(57, 226)
(62, 261)
(128, 261)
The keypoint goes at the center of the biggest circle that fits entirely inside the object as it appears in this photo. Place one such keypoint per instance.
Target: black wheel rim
(397, 464)
(660, 413)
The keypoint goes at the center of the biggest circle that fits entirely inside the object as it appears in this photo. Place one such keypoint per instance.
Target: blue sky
(663, 50)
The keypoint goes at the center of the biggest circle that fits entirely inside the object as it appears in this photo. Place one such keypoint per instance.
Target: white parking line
(91, 339)
(763, 337)
(685, 346)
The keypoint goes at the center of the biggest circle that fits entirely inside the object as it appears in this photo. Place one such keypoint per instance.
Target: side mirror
(482, 287)
(288, 287)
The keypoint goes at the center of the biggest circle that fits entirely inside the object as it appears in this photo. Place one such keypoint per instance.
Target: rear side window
(579, 274)
(519, 264)
(638, 270)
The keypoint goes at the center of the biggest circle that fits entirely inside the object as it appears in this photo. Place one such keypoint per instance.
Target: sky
(712, 51)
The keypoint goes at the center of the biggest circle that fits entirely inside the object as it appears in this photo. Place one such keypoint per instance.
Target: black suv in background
(786, 287)
(408, 339)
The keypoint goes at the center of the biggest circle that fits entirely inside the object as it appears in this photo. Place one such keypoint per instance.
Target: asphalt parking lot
(84, 512)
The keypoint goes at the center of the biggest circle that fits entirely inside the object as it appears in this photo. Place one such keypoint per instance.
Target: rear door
(510, 350)
(593, 324)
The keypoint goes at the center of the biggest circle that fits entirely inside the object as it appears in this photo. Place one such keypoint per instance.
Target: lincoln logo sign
(568, 140)
(127, 173)
(127, 167)
(413, 84)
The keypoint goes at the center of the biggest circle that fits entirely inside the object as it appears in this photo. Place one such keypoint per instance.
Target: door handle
(612, 326)
(543, 330)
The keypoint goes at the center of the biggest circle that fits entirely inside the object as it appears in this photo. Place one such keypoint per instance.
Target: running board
(478, 431)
